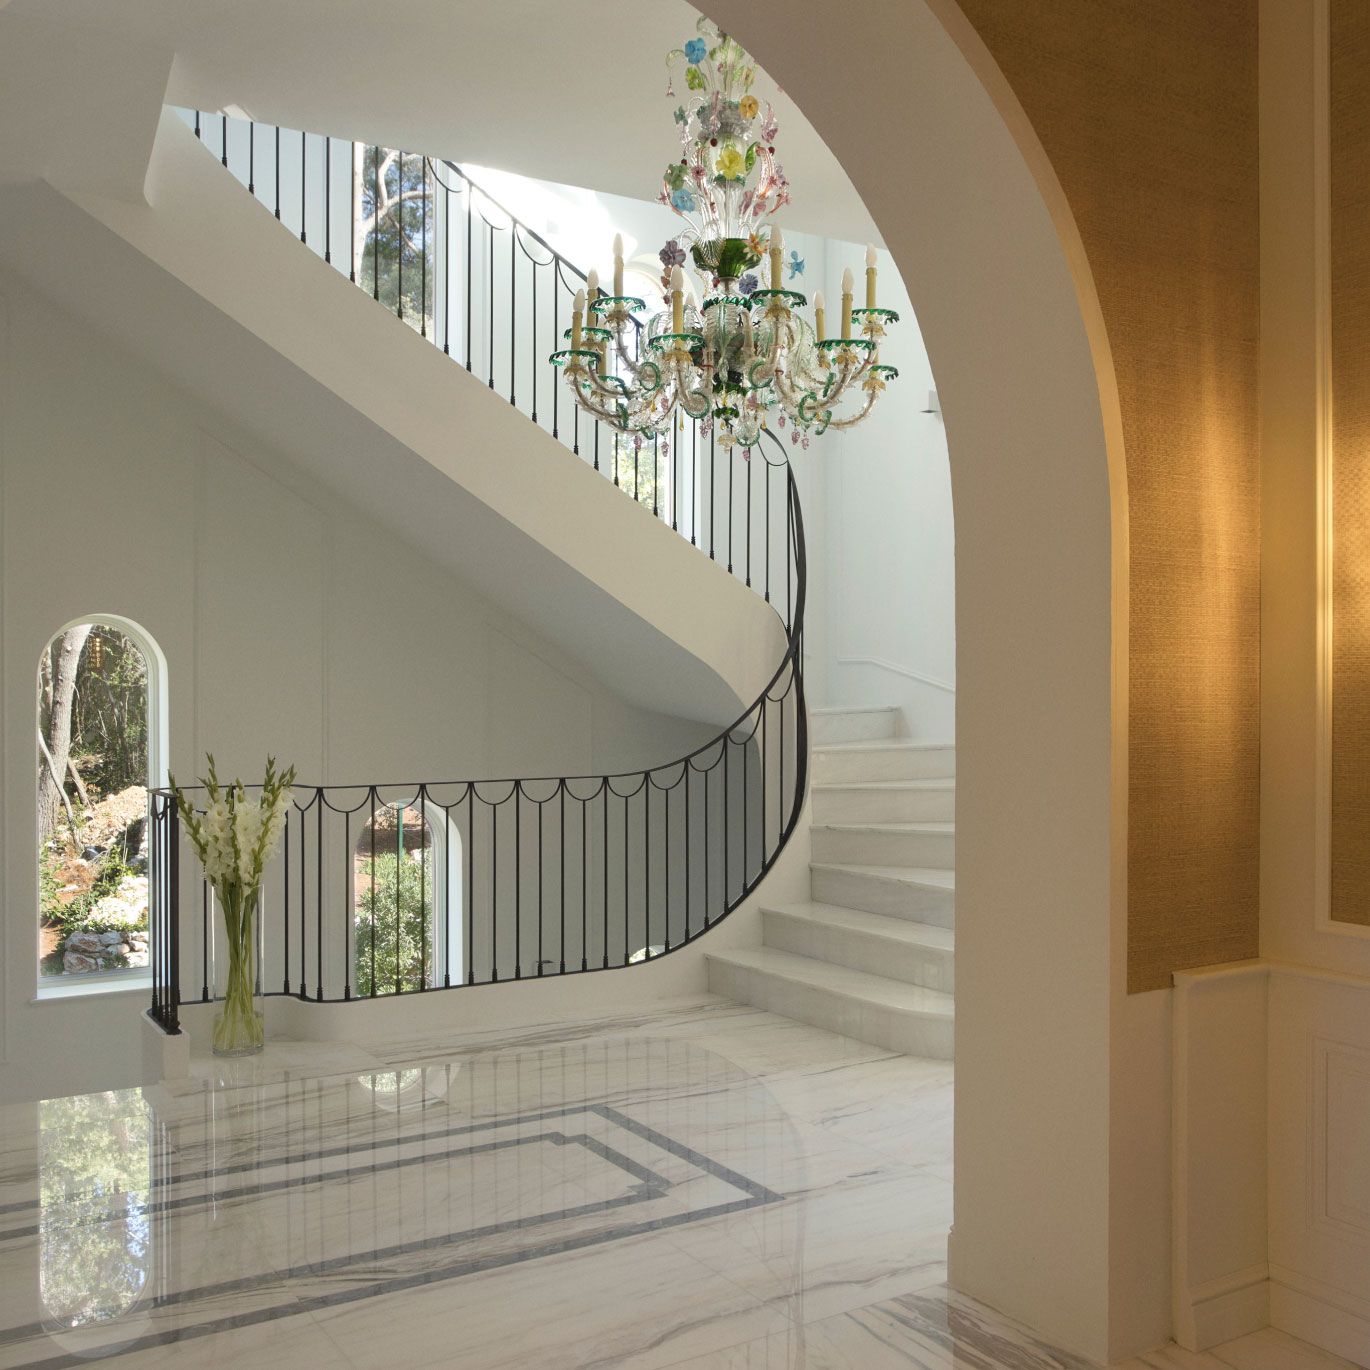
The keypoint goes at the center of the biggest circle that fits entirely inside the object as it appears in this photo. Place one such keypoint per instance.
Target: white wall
(890, 553)
(290, 622)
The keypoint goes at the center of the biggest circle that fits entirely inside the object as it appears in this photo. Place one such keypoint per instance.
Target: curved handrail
(493, 902)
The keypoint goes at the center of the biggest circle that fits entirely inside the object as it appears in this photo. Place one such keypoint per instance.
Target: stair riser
(889, 763)
(854, 727)
(884, 806)
(930, 967)
(885, 848)
(893, 1029)
(894, 898)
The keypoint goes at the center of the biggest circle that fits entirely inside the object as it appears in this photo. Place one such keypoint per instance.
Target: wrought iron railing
(445, 257)
(385, 889)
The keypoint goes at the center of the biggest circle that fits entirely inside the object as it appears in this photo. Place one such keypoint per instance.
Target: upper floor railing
(438, 251)
(399, 888)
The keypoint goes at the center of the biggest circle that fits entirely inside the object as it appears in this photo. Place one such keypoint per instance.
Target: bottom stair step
(871, 1008)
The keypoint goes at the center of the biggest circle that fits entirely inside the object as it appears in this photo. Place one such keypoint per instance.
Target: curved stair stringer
(413, 437)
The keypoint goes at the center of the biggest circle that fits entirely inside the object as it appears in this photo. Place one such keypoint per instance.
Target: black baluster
(354, 182)
(561, 884)
(469, 194)
(204, 940)
(285, 908)
(278, 215)
(304, 202)
(766, 514)
(513, 308)
(399, 867)
(540, 883)
(604, 883)
(349, 899)
(327, 198)
(468, 911)
(584, 889)
(318, 893)
(423, 249)
(399, 240)
(518, 883)
(251, 157)
(376, 257)
(494, 892)
(173, 922)
(373, 891)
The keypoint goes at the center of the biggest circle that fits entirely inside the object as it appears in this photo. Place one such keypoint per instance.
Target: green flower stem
(238, 1029)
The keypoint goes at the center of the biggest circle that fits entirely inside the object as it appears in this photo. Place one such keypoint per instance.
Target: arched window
(407, 901)
(101, 744)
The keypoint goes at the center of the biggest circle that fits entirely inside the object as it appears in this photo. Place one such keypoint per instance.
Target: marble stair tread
(884, 744)
(828, 710)
(857, 985)
(927, 829)
(932, 877)
(879, 925)
(926, 783)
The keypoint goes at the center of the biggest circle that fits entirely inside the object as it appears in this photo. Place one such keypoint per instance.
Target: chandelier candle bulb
(818, 312)
(591, 289)
(777, 247)
(577, 315)
(870, 276)
(848, 284)
(677, 300)
(618, 265)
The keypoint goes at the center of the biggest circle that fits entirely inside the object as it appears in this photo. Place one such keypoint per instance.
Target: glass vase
(238, 1027)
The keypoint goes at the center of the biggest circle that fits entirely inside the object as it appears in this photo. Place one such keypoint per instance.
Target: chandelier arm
(853, 419)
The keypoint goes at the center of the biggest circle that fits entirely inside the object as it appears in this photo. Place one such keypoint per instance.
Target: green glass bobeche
(606, 304)
(882, 315)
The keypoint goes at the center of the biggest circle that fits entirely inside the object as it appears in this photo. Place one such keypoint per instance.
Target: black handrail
(648, 861)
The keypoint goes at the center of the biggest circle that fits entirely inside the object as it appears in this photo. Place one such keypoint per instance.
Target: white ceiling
(568, 93)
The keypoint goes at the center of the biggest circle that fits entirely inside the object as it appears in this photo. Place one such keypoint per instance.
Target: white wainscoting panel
(1219, 1271)
(1320, 1159)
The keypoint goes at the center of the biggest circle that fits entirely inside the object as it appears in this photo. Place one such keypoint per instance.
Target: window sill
(122, 984)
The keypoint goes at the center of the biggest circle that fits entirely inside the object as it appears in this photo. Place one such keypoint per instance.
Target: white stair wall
(872, 953)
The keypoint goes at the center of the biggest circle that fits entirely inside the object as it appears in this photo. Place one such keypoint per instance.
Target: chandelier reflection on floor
(745, 351)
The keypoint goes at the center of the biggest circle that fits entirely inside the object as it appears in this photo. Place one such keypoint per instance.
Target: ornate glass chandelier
(745, 351)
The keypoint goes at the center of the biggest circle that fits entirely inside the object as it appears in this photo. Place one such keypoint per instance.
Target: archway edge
(914, 107)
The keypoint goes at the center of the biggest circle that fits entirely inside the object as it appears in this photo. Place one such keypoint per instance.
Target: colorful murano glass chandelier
(745, 352)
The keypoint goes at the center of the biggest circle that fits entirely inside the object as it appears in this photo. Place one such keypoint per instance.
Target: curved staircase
(871, 954)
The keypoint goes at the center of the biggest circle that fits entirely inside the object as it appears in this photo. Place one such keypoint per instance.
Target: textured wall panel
(1148, 111)
(1350, 286)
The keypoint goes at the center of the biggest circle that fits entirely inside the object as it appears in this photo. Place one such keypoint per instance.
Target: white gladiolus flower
(237, 834)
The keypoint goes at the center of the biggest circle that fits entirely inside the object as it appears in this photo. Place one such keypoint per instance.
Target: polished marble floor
(709, 1187)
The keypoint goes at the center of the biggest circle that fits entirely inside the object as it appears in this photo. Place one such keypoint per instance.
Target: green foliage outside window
(394, 921)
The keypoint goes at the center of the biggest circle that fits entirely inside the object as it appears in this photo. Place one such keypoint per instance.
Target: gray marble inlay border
(650, 1188)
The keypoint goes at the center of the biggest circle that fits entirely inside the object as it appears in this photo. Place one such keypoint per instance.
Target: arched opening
(101, 744)
(407, 894)
(967, 203)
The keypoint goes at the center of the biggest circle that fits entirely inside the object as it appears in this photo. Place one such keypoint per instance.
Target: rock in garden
(74, 963)
(91, 943)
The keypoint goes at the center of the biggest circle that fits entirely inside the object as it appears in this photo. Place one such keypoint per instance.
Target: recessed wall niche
(1348, 458)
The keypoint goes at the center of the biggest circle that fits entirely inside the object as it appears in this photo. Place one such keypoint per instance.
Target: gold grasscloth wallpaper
(1148, 111)
(1349, 122)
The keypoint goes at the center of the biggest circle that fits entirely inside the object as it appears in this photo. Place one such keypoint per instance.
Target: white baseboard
(1328, 1318)
(1223, 1309)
